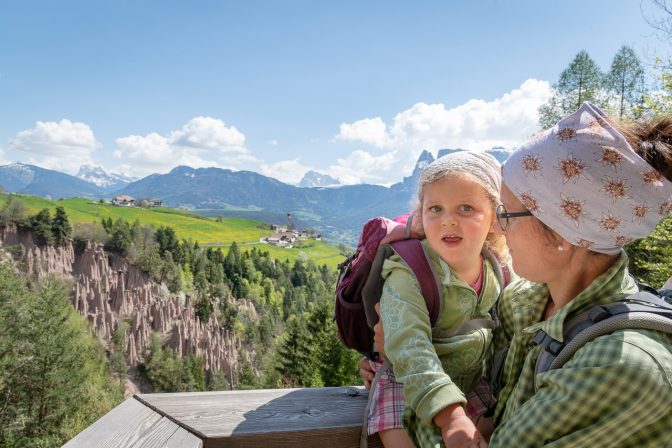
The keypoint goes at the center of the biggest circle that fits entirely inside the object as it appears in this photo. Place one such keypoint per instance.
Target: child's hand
(366, 372)
(457, 430)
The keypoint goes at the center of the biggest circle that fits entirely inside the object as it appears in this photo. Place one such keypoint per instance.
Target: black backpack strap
(413, 254)
(642, 310)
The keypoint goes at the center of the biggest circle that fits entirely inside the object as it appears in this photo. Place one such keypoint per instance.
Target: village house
(149, 202)
(124, 201)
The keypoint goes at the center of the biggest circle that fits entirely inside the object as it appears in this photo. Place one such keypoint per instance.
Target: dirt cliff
(107, 290)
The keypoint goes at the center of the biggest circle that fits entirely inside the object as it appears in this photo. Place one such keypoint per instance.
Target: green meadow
(220, 232)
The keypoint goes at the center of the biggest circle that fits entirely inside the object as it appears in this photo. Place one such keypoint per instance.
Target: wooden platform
(325, 417)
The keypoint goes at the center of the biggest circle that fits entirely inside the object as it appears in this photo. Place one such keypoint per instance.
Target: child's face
(457, 216)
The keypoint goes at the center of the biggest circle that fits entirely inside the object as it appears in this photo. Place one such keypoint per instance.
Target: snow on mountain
(98, 176)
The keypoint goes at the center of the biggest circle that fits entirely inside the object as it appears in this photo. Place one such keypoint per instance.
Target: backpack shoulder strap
(501, 270)
(413, 254)
(642, 310)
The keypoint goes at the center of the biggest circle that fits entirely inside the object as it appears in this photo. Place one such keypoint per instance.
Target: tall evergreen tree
(626, 78)
(60, 227)
(579, 82)
(167, 240)
(120, 237)
(41, 224)
(296, 361)
(53, 376)
(118, 353)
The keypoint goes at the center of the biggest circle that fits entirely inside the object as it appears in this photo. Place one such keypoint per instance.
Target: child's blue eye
(465, 208)
(435, 208)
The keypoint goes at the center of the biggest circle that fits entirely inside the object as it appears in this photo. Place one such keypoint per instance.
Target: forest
(52, 367)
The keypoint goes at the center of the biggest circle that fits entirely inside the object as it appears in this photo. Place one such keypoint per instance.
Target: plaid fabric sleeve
(408, 345)
(615, 392)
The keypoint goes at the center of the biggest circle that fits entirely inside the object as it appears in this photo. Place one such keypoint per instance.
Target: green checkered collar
(612, 285)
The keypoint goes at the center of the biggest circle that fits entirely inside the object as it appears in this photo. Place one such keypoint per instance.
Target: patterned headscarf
(482, 166)
(583, 180)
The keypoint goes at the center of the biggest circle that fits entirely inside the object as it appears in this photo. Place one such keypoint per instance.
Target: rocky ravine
(108, 290)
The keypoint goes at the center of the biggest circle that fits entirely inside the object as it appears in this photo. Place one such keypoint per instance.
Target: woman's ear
(494, 225)
(563, 244)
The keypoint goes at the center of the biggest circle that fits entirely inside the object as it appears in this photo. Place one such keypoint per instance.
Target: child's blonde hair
(479, 167)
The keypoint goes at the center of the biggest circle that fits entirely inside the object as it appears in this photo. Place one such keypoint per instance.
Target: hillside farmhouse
(123, 201)
(128, 201)
(149, 202)
(281, 239)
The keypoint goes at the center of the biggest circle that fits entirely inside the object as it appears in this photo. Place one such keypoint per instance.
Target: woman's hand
(366, 372)
(457, 429)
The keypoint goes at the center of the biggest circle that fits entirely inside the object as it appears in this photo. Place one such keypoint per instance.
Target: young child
(438, 368)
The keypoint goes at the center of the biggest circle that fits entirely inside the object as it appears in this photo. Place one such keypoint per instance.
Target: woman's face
(533, 255)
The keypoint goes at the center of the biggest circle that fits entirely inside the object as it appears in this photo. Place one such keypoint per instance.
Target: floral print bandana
(583, 180)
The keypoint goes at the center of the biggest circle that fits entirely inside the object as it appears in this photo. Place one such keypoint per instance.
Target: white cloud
(362, 167)
(202, 142)
(475, 125)
(369, 130)
(209, 134)
(288, 171)
(273, 142)
(63, 145)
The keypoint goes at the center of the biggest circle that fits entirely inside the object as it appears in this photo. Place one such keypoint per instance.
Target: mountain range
(338, 211)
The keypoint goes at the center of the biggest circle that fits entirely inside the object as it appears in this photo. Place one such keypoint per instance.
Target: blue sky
(352, 89)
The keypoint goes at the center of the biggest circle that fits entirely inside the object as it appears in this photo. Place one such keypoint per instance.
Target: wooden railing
(322, 417)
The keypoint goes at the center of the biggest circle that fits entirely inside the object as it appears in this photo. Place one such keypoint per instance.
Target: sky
(353, 89)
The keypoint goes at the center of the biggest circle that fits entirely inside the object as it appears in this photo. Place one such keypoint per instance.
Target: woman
(572, 197)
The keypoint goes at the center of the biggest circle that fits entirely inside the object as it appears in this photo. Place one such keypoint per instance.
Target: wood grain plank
(166, 433)
(121, 427)
(276, 417)
(183, 438)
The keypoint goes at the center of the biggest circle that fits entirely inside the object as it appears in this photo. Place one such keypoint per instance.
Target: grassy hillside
(207, 231)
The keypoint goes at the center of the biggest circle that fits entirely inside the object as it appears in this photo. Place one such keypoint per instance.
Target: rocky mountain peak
(315, 179)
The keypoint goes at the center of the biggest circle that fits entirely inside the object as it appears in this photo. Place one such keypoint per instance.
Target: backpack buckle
(554, 347)
(549, 344)
(599, 313)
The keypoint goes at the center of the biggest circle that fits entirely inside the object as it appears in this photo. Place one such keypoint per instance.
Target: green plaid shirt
(616, 391)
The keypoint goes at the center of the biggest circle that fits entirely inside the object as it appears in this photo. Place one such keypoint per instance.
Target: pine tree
(626, 78)
(41, 224)
(167, 240)
(53, 375)
(336, 364)
(296, 362)
(579, 82)
(120, 237)
(118, 353)
(60, 227)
